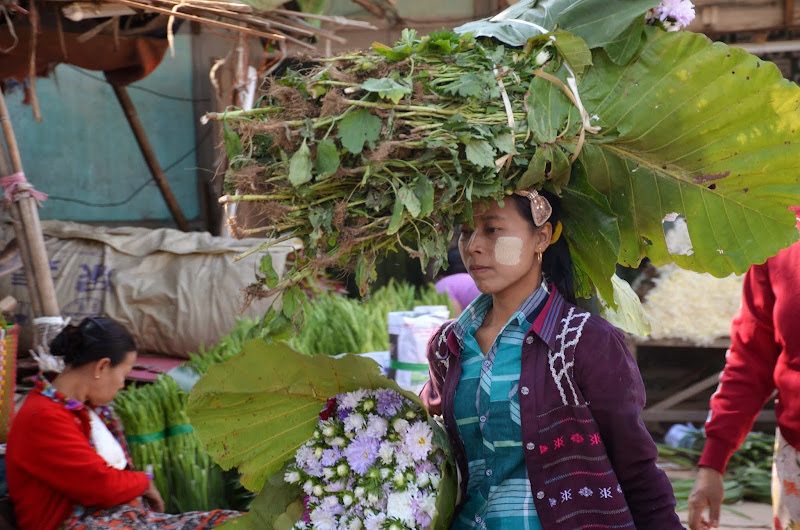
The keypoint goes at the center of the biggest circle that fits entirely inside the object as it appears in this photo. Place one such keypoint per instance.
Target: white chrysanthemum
(328, 473)
(322, 519)
(292, 477)
(403, 459)
(377, 426)
(435, 479)
(542, 57)
(351, 400)
(354, 422)
(399, 507)
(336, 442)
(423, 479)
(308, 487)
(418, 440)
(400, 425)
(317, 490)
(347, 499)
(386, 452)
(375, 521)
(427, 504)
(359, 492)
(355, 524)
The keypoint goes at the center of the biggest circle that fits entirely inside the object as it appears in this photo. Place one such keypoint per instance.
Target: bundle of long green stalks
(360, 325)
(161, 439)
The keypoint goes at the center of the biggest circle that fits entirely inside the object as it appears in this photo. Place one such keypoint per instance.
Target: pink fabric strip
(11, 186)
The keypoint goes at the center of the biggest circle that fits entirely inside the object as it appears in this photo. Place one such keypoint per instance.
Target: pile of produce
(162, 440)
(631, 125)
(337, 324)
(692, 306)
(748, 475)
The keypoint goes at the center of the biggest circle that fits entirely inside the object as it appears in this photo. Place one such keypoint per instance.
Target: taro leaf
(592, 233)
(387, 88)
(448, 485)
(598, 22)
(629, 314)
(535, 173)
(327, 159)
(278, 506)
(466, 85)
(271, 277)
(233, 144)
(254, 410)
(424, 191)
(701, 130)
(300, 166)
(574, 50)
(480, 153)
(397, 217)
(358, 128)
(410, 201)
(548, 108)
(622, 49)
(559, 167)
(505, 143)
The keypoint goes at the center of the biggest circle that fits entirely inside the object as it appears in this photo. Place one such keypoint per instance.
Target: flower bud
(318, 491)
(342, 470)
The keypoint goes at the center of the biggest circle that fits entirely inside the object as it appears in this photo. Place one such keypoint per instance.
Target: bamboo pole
(25, 219)
(149, 156)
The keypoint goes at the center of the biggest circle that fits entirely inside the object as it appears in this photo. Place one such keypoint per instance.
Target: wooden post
(149, 156)
(29, 232)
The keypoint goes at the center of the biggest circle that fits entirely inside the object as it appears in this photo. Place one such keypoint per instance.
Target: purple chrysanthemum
(344, 413)
(330, 456)
(389, 403)
(362, 453)
(681, 11)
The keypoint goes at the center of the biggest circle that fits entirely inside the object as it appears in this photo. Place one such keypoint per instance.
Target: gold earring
(539, 256)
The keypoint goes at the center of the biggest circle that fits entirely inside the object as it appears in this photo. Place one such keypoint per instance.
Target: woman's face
(500, 251)
(111, 379)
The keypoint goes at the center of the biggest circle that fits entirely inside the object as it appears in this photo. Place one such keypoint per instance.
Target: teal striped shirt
(488, 418)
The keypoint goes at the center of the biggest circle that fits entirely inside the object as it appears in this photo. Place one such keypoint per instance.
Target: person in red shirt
(764, 356)
(67, 462)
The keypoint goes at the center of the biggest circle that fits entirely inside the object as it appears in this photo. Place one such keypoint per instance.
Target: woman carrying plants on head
(540, 398)
(67, 462)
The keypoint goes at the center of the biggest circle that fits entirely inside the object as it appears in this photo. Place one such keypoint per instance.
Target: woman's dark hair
(93, 339)
(556, 260)
(454, 263)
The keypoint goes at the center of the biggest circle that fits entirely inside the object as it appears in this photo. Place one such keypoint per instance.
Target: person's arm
(745, 385)
(59, 454)
(610, 381)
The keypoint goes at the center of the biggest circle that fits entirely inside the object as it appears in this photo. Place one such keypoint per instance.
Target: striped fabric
(488, 417)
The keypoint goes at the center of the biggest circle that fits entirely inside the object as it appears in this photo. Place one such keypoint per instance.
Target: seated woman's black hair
(556, 260)
(93, 339)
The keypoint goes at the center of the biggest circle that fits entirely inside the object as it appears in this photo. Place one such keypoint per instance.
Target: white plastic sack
(409, 332)
(173, 290)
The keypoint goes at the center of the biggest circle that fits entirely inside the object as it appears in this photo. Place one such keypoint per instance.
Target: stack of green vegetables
(748, 475)
(142, 414)
(162, 440)
(633, 126)
(337, 324)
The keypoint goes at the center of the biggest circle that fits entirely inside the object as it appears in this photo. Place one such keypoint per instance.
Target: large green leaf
(598, 22)
(254, 410)
(700, 130)
(591, 230)
(278, 507)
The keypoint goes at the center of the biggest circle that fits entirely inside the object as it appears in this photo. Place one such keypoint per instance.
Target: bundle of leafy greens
(633, 126)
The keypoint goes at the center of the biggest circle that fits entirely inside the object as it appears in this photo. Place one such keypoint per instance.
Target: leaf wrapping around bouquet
(228, 405)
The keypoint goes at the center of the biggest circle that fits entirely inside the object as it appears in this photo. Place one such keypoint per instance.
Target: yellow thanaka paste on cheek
(508, 250)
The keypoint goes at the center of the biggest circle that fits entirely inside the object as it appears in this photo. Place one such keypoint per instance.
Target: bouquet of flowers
(372, 463)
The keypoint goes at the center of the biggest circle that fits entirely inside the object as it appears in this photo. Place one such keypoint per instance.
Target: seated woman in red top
(67, 463)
